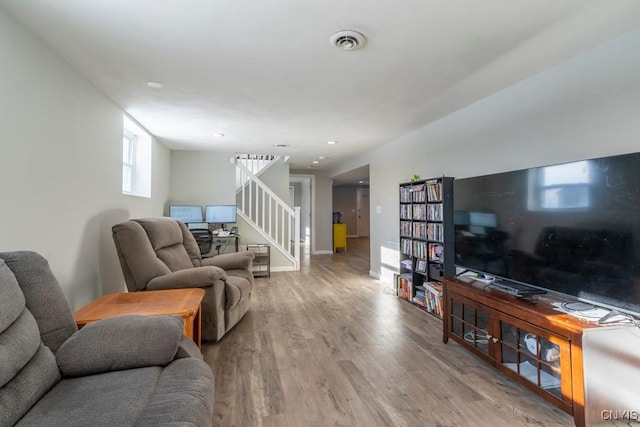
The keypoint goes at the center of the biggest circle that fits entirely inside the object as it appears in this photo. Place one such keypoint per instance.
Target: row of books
(434, 212)
(421, 212)
(435, 232)
(419, 249)
(406, 212)
(406, 246)
(434, 190)
(413, 193)
(429, 296)
(417, 230)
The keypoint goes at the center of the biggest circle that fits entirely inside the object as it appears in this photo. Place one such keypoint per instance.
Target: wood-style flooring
(331, 346)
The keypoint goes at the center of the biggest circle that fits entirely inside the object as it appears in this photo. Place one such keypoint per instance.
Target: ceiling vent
(347, 40)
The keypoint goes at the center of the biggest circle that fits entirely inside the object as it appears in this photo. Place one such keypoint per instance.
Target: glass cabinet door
(535, 355)
(470, 323)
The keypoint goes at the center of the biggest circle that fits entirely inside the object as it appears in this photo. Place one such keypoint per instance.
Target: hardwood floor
(331, 346)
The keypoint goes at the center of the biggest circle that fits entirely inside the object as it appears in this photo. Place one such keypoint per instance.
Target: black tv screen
(571, 228)
(186, 213)
(221, 214)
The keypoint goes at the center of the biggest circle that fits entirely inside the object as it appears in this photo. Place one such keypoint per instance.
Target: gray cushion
(110, 399)
(18, 343)
(181, 396)
(11, 297)
(26, 388)
(236, 289)
(44, 297)
(123, 342)
(166, 239)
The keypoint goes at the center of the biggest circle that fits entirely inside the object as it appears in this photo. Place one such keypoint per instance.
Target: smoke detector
(347, 40)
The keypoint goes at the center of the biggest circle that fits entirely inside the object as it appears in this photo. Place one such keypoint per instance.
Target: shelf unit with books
(426, 242)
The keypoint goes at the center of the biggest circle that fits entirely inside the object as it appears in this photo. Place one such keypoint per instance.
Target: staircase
(264, 211)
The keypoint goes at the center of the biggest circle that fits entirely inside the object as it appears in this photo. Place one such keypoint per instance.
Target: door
(362, 208)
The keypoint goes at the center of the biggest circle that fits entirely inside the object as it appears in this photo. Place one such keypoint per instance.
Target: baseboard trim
(322, 253)
(282, 268)
(374, 274)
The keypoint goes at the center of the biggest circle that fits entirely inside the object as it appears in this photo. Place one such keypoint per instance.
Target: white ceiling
(264, 73)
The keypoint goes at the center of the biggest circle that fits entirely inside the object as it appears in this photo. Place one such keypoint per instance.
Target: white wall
(584, 108)
(61, 168)
(202, 178)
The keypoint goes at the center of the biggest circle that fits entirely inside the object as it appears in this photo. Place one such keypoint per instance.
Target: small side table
(179, 302)
(262, 259)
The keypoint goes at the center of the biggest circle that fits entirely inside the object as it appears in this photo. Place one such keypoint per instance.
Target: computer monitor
(186, 213)
(221, 214)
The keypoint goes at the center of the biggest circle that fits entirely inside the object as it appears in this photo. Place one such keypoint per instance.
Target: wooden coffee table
(179, 302)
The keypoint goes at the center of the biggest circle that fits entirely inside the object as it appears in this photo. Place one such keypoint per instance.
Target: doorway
(362, 211)
(301, 188)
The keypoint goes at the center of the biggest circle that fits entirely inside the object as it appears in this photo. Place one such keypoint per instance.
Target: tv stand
(528, 340)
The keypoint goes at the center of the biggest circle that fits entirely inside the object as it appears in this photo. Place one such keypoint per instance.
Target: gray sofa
(161, 253)
(123, 371)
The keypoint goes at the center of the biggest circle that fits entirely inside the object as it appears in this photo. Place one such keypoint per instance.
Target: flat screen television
(221, 214)
(186, 213)
(570, 228)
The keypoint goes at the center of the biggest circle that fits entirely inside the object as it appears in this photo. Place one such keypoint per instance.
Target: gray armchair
(122, 371)
(161, 253)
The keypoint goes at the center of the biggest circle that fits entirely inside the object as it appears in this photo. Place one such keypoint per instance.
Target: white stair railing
(277, 221)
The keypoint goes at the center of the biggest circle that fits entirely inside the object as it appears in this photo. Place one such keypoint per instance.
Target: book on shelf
(419, 230)
(435, 231)
(434, 190)
(406, 246)
(406, 195)
(419, 194)
(419, 249)
(406, 228)
(433, 287)
(434, 212)
(405, 287)
(421, 265)
(406, 212)
(436, 252)
(406, 264)
(419, 212)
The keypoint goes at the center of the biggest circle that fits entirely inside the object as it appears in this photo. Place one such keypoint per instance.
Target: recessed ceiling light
(315, 162)
(155, 85)
(218, 135)
(321, 157)
(332, 142)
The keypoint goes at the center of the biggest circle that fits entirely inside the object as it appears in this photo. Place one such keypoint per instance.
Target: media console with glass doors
(530, 340)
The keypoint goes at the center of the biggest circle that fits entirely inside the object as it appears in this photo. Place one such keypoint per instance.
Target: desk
(180, 302)
(220, 243)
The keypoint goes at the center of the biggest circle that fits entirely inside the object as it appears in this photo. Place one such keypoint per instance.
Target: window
(562, 187)
(136, 160)
(128, 160)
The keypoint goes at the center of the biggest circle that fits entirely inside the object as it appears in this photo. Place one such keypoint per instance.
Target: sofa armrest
(188, 348)
(232, 261)
(117, 343)
(197, 277)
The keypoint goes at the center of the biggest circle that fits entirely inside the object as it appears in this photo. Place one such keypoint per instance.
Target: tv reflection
(590, 262)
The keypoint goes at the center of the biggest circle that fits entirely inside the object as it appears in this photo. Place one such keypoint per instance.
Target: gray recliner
(124, 371)
(161, 253)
